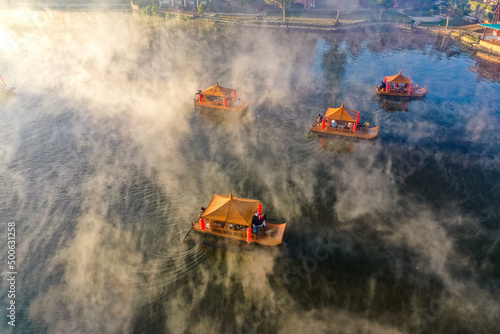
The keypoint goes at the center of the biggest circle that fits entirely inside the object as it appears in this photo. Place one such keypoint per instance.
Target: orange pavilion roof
(231, 209)
(342, 114)
(398, 78)
(217, 91)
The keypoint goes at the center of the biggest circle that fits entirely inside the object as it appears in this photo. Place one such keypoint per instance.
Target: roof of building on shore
(342, 114)
(231, 209)
(492, 26)
(217, 91)
(398, 78)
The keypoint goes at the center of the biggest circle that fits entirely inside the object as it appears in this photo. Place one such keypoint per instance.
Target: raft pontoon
(231, 217)
(400, 86)
(219, 98)
(344, 122)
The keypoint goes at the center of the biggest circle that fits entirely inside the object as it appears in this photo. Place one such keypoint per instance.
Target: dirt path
(433, 18)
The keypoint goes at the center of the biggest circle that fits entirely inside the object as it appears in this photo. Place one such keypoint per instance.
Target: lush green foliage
(151, 10)
(474, 4)
(283, 4)
(383, 3)
(201, 8)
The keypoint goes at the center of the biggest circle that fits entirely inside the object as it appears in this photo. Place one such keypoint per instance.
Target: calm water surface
(104, 164)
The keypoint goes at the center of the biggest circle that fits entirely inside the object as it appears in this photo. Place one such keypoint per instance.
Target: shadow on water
(392, 105)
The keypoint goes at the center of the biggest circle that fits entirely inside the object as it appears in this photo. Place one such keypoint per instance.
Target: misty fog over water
(104, 164)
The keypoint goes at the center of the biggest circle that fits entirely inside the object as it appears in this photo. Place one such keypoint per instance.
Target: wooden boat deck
(416, 93)
(237, 106)
(361, 132)
(271, 235)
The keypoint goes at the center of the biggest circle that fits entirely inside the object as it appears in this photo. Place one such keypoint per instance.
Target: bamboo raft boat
(345, 123)
(231, 217)
(400, 86)
(219, 98)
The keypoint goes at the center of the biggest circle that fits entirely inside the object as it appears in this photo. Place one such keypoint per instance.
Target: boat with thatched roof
(400, 86)
(343, 122)
(220, 98)
(233, 217)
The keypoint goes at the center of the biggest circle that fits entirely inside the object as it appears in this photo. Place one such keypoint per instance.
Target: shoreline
(465, 37)
(462, 35)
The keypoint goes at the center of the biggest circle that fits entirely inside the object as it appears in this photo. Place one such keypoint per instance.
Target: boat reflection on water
(220, 117)
(336, 144)
(391, 105)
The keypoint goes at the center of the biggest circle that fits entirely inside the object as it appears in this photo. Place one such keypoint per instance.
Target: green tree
(450, 11)
(201, 8)
(490, 17)
(382, 4)
(151, 10)
(450, 7)
(283, 4)
(147, 7)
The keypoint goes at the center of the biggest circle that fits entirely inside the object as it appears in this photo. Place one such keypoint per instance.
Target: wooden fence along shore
(463, 35)
(466, 35)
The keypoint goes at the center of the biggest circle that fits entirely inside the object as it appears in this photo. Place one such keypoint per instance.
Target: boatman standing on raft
(256, 222)
(319, 119)
(382, 86)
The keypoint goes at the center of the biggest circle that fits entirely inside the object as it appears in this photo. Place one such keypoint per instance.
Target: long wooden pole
(187, 233)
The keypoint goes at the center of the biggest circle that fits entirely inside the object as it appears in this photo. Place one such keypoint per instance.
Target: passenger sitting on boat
(333, 124)
(262, 220)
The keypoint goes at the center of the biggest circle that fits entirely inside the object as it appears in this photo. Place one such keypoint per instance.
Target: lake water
(104, 164)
